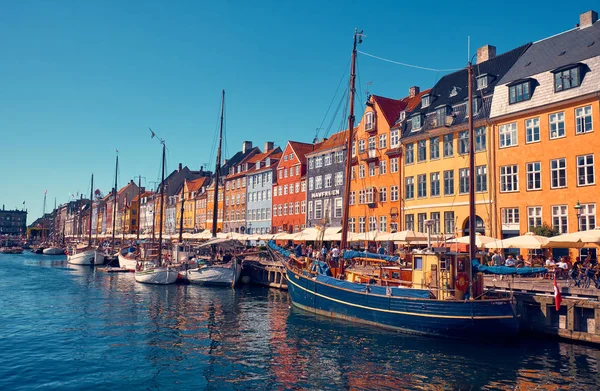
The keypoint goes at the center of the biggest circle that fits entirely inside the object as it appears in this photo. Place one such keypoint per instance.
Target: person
(510, 261)
(324, 252)
(298, 250)
(520, 261)
(335, 253)
(497, 259)
(381, 250)
(550, 262)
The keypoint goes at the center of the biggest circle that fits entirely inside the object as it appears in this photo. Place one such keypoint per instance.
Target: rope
(410, 65)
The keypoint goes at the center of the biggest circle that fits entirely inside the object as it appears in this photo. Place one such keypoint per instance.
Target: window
(435, 216)
(285, 188)
(534, 176)
(369, 123)
(310, 184)
(557, 125)
(480, 139)
(421, 217)
(481, 178)
(382, 167)
(318, 209)
(509, 178)
(297, 186)
(280, 190)
(337, 213)
(285, 172)
(311, 164)
(519, 92)
(558, 173)
(303, 186)
(508, 135)
(560, 218)
(328, 180)
(328, 159)
(310, 210)
(463, 142)
(371, 169)
(416, 122)
(422, 151)
(394, 193)
(339, 156)
(425, 101)
(422, 185)
(532, 130)
(383, 223)
(409, 222)
(567, 79)
(410, 187)
(434, 148)
(435, 184)
(448, 182)
(534, 217)
(583, 120)
(382, 194)
(449, 222)
(463, 180)
(585, 170)
(361, 146)
(318, 182)
(383, 141)
(353, 148)
(352, 199)
(448, 145)
(319, 162)
(352, 224)
(482, 82)
(361, 224)
(394, 138)
(361, 171)
(410, 153)
(361, 196)
(510, 215)
(303, 207)
(394, 164)
(339, 178)
(285, 208)
(372, 223)
(372, 144)
(291, 188)
(587, 220)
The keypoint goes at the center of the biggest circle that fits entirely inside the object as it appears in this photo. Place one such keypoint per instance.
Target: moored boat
(226, 274)
(84, 256)
(54, 250)
(148, 273)
(11, 250)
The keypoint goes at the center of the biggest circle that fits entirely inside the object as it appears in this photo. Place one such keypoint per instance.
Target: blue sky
(80, 79)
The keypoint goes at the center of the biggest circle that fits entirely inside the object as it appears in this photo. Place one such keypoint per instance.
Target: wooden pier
(578, 318)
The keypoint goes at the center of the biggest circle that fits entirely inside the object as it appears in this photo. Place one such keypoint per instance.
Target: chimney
(268, 146)
(180, 167)
(485, 53)
(588, 18)
(413, 91)
(246, 146)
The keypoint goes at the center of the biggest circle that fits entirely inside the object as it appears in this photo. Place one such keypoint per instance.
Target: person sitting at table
(510, 261)
(550, 263)
(562, 264)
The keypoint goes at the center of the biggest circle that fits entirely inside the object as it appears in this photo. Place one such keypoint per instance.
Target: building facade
(325, 181)
(259, 198)
(13, 222)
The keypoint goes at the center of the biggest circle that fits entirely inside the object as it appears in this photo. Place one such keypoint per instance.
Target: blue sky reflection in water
(76, 328)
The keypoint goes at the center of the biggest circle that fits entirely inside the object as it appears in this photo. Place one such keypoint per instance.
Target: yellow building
(435, 174)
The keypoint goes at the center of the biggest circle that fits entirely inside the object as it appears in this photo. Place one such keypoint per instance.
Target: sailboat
(86, 254)
(372, 289)
(152, 271)
(53, 250)
(227, 270)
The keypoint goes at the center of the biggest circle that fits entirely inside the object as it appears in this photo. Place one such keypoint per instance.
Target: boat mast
(472, 246)
(138, 206)
(162, 205)
(344, 241)
(123, 217)
(44, 217)
(181, 217)
(114, 220)
(218, 170)
(91, 207)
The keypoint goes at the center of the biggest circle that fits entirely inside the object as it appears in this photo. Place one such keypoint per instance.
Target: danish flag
(557, 295)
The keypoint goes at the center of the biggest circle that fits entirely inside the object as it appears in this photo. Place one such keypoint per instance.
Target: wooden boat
(54, 250)
(11, 250)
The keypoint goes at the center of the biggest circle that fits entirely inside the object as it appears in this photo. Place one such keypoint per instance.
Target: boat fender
(462, 281)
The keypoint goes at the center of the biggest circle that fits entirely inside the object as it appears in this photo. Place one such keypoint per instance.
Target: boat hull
(157, 276)
(450, 319)
(53, 251)
(215, 275)
(86, 257)
(127, 263)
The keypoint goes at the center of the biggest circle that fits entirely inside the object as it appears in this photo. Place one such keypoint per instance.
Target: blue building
(259, 198)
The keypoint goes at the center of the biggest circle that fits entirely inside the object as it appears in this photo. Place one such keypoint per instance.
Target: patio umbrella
(481, 241)
(402, 236)
(528, 241)
(363, 236)
(575, 239)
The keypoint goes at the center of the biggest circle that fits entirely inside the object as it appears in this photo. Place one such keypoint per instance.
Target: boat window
(418, 262)
(443, 263)
(395, 275)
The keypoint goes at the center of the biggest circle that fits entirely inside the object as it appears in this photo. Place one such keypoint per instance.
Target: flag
(23, 202)
(557, 295)
(153, 134)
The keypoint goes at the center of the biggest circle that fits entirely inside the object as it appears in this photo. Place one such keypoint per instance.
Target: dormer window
(416, 122)
(425, 101)
(285, 158)
(567, 77)
(483, 81)
(402, 116)
(257, 165)
(267, 162)
(369, 121)
(441, 115)
(476, 106)
(519, 91)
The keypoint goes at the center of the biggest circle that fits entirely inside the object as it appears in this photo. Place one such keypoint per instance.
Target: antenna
(468, 48)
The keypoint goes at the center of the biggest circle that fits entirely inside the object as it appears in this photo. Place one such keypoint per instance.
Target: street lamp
(578, 208)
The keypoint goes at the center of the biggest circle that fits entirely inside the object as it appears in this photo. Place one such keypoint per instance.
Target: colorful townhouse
(435, 141)
(190, 189)
(545, 116)
(289, 188)
(325, 182)
(228, 169)
(376, 153)
(123, 196)
(146, 212)
(259, 198)
(200, 210)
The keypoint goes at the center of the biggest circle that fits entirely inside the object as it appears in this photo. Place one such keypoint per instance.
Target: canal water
(72, 328)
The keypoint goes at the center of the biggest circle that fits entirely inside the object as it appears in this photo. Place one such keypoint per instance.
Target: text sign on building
(327, 193)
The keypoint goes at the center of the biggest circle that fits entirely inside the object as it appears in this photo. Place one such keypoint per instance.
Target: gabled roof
(196, 184)
(236, 159)
(411, 104)
(301, 149)
(390, 108)
(335, 141)
(142, 195)
(566, 48)
(259, 157)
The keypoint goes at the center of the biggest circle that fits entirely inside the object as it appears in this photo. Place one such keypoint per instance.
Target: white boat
(150, 274)
(226, 274)
(127, 261)
(53, 250)
(84, 256)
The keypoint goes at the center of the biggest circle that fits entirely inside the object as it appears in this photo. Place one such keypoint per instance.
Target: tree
(545, 230)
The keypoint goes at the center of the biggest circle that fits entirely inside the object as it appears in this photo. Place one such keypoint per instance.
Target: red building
(289, 189)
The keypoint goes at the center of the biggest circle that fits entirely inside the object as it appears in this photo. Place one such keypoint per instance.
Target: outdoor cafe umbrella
(576, 239)
(481, 241)
(402, 236)
(529, 241)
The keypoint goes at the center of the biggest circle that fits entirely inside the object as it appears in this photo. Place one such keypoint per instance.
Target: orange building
(210, 194)
(289, 188)
(190, 188)
(545, 115)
